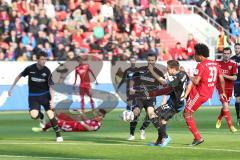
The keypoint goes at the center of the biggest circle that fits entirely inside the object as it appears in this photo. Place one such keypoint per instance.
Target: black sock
(133, 125)
(145, 124)
(163, 130)
(40, 115)
(237, 110)
(55, 127)
(155, 121)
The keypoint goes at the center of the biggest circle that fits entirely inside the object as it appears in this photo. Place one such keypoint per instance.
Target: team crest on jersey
(229, 67)
(44, 74)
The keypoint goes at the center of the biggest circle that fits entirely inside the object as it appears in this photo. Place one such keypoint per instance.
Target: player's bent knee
(136, 112)
(187, 114)
(34, 114)
(50, 114)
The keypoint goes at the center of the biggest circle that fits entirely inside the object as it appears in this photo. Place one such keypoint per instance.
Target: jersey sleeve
(199, 71)
(235, 69)
(25, 72)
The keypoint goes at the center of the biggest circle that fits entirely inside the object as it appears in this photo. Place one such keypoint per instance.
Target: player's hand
(223, 96)
(150, 68)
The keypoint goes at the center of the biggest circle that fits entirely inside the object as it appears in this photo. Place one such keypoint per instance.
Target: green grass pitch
(17, 141)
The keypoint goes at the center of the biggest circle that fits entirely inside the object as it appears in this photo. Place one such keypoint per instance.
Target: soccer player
(40, 91)
(236, 58)
(178, 83)
(67, 124)
(127, 76)
(144, 80)
(85, 85)
(229, 70)
(203, 83)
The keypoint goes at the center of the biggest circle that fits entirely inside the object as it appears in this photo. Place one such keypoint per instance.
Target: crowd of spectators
(65, 29)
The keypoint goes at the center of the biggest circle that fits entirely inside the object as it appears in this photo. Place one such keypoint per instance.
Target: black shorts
(145, 103)
(237, 89)
(165, 112)
(35, 102)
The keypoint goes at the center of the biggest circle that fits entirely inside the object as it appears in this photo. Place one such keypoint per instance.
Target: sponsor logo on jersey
(44, 74)
(34, 79)
(32, 72)
(229, 67)
(147, 79)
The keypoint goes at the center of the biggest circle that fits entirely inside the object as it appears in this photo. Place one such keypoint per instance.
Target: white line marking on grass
(130, 145)
(32, 157)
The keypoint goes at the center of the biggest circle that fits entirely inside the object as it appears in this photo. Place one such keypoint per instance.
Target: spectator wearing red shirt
(190, 46)
(178, 52)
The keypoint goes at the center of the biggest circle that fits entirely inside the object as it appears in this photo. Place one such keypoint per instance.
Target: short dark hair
(41, 54)
(103, 111)
(152, 55)
(201, 50)
(173, 64)
(237, 44)
(227, 49)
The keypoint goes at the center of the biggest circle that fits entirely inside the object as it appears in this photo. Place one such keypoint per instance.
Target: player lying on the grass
(178, 83)
(67, 124)
(229, 69)
(40, 91)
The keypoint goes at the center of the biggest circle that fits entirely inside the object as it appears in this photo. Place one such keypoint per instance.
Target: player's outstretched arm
(222, 84)
(75, 79)
(89, 128)
(14, 83)
(188, 89)
(231, 78)
(93, 76)
(52, 96)
(155, 75)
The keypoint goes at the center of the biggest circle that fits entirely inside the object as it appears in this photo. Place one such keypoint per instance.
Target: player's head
(172, 67)
(133, 61)
(151, 59)
(201, 52)
(237, 48)
(41, 58)
(100, 115)
(227, 52)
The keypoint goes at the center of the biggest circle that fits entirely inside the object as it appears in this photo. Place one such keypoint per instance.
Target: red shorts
(228, 94)
(195, 100)
(85, 90)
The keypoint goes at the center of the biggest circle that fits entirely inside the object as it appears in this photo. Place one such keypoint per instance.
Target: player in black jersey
(144, 80)
(127, 76)
(236, 58)
(40, 91)
(178, 85)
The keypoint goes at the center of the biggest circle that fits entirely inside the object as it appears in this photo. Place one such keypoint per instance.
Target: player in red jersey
(203, 83)
(85, 84)
(229, 70)
(68, 124)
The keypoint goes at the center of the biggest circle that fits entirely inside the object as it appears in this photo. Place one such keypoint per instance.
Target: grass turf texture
(17, 141)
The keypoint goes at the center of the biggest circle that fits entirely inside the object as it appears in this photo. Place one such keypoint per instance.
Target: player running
(67, 124)
(85, 85)
(144, 80)
(203, 83)
(127, 76)
(40, 92)
(229, 70)
(236, 58)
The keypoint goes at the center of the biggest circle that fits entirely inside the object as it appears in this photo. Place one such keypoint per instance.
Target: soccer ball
(127, 116)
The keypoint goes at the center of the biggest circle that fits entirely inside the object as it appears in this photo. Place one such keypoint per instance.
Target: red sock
(92, 103)
(192, 125)
(47, 126)
(220, 115)
(227, 116)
